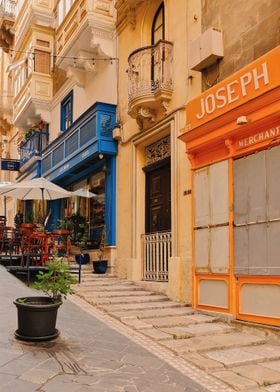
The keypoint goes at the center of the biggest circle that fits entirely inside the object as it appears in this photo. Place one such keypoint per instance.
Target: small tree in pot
(37, 315)
(100, 265)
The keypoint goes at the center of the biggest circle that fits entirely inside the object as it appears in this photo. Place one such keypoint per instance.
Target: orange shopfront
(233, 143)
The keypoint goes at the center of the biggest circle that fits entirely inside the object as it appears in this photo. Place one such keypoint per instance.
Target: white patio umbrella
(35, 189)
(4, 183)
(83, 193)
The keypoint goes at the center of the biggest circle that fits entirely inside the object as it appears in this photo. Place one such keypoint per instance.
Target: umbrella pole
(43, 207)
(5, 206)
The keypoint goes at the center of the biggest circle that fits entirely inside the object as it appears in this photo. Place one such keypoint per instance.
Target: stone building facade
(232, 142)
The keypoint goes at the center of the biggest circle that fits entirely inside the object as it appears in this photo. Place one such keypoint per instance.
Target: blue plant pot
(82, 258)
(100, 266)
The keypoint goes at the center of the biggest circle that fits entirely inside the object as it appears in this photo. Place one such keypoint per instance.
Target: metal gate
(156, 254)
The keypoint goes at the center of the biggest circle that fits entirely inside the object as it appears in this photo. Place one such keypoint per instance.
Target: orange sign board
(251, 81)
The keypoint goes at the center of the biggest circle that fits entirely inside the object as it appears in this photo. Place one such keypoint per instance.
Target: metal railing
(156, 254)
(8, 7)
(150, 70)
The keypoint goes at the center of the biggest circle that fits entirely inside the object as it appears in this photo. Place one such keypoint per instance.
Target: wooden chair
(9, 241)
(3, 220)
(34, 249)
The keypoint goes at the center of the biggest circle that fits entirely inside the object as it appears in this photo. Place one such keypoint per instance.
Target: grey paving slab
(89, 355)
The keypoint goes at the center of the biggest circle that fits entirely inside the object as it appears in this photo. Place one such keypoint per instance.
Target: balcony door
(158, 200)
(157, 239)
(157, 35)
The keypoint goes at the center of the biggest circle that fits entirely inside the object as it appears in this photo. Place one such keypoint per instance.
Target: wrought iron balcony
(31, 150)
(8, 8)
(150, 81)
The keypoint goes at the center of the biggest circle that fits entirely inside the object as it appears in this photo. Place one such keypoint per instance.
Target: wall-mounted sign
(258, 137)
(250, 82)
(10, 164)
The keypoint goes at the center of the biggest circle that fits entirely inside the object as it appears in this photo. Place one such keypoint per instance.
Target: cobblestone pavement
(218, 355)
(93, 353)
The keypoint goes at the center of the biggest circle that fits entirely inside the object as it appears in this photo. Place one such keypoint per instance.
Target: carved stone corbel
(77, 75)
(145, 117)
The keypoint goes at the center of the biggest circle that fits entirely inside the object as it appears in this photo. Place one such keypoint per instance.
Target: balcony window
(41, 61)
(158, 25)
(63, 8)
(67, 111)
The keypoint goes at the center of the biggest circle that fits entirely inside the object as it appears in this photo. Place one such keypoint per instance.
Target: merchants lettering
(259, 137)
(233, 91)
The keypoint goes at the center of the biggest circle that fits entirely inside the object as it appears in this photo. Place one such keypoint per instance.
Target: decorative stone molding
(145, 117)
(126, 12)
(159, 150)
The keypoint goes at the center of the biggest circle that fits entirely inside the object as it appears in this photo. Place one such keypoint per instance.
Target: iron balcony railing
(8, 7)
(156, 254)
(150, 70)
(33, 146)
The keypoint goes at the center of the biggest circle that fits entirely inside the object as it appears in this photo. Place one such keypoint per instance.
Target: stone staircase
(243, 358)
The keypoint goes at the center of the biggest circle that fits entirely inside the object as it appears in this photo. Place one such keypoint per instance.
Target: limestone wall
(250, 29)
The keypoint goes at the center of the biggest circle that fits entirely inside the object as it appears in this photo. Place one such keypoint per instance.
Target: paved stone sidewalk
(92, 354)
(200, 345)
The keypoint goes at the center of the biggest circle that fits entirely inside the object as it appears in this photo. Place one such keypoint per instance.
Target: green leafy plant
(18, 219)
(56, 281)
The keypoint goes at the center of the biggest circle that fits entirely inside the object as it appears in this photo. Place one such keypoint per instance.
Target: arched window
(158, 25)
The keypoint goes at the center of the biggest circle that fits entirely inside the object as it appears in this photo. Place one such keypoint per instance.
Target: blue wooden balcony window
(33, 146)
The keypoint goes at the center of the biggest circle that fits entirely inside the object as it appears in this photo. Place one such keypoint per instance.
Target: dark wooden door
(158, 200)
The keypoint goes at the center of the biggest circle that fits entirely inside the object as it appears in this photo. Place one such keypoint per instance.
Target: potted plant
(82, 242)
(100, 265)
(37, 314)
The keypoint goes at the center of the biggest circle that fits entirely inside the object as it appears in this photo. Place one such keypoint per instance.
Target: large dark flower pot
(100, 266)
(82, 258)
(36, 318)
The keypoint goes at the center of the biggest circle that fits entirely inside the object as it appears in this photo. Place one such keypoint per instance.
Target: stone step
(241, 377)
(112, 288)
(124, 300)
(115, 294)
(211, 342)
(140, 306)
(197, 330)
(245, 355)
(108, 282)
(143, 314)
(177, 321)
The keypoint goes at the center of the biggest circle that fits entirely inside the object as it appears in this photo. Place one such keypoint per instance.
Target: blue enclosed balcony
(77, 149)
(31, 149)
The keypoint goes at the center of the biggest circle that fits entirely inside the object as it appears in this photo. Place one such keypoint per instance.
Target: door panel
(158, 210)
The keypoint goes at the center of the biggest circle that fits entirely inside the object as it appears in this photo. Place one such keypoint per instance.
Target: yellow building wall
(182, 24)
